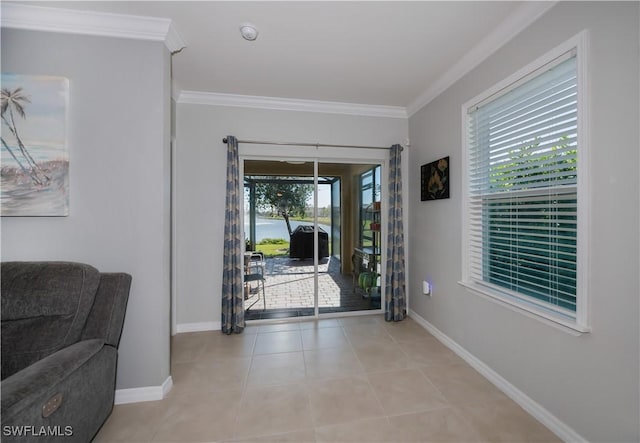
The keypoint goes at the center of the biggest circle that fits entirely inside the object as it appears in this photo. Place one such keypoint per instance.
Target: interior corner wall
(589, 382)
(118, 138)
(201, 181)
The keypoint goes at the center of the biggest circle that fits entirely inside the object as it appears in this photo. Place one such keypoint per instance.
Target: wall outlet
(426, 288)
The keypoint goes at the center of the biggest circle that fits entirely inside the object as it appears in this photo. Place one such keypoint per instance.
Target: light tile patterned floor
(353, 379)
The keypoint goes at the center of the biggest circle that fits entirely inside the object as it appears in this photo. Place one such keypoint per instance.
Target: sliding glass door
(316, 226)
(279, 230)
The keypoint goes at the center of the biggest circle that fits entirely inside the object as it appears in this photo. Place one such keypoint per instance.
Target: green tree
(529, 162)
(273, 196)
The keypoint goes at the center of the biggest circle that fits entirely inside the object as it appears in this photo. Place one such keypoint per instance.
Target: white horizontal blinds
(523, 189)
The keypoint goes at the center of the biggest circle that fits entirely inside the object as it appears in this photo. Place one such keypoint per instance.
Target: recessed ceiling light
(248, 31)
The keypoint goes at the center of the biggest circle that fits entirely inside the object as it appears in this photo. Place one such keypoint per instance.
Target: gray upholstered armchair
(61, 325)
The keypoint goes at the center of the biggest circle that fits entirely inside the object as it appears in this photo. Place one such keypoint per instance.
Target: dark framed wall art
(434, 180)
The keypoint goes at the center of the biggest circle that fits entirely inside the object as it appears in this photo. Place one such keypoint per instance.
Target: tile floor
(353, 379)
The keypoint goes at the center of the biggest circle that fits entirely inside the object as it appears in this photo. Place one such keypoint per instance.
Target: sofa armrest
(106, 318)
(66, 396)
(19, 389)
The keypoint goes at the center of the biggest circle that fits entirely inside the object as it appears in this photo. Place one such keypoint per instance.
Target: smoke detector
(248, 31)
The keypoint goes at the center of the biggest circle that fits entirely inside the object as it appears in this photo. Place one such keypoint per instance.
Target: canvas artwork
(434, 180)
(34, 169)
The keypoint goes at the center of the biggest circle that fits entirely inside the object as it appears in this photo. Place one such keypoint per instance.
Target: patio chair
(254, 270)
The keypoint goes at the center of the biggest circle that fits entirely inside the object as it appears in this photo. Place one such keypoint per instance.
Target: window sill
(563, 325)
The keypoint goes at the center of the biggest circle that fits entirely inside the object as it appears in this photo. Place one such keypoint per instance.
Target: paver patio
(289, 290)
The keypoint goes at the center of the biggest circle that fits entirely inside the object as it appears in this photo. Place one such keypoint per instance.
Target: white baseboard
(149, 393)
(555, 425)
(198, 327)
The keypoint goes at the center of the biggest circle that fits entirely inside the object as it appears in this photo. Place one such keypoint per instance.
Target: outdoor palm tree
(16, 100)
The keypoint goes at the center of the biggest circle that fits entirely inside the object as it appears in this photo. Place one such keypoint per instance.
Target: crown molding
(71, 21)
(517, 22)
(290, 104)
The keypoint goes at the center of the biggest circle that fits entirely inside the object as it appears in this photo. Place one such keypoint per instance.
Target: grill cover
(302, 243)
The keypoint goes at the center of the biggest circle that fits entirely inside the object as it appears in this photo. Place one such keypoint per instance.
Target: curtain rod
(316, 145)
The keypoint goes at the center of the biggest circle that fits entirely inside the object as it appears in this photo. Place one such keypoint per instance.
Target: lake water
(276, 227)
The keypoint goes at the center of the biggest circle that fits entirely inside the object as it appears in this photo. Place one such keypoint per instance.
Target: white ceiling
(378, 53)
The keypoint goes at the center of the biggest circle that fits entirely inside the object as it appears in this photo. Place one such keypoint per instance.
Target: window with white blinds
(522, 190)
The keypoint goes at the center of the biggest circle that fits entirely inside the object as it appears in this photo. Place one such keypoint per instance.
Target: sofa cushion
(44, 308)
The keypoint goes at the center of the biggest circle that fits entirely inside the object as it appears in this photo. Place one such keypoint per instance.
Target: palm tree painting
(34, 164)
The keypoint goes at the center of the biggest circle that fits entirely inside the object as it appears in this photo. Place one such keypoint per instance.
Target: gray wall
(118, 136)
(589, 382)
(201, 176)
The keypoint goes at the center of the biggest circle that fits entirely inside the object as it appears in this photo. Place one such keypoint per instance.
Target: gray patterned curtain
(232, 294)
(395, 295)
